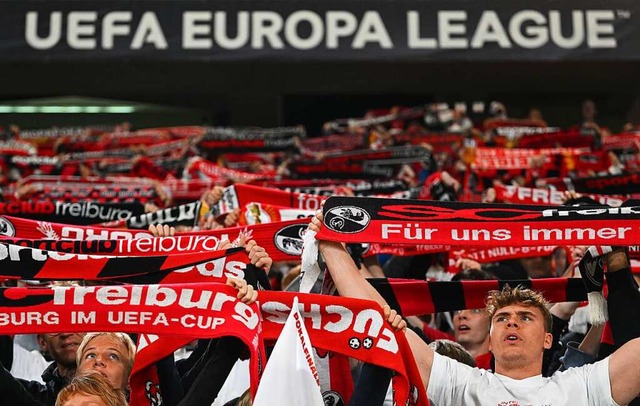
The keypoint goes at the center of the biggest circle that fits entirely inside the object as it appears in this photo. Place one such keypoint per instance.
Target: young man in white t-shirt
(520, 332)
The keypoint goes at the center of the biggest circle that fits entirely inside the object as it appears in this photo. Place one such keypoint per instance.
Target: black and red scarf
(352, 219)
(77, 213)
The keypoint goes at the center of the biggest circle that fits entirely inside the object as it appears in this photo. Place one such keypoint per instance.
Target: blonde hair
(245, 399)
(122, 338)
(519, 295)
(92, 384)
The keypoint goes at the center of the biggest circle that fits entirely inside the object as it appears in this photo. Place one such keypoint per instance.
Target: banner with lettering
(22, 228)
(306, 30)
(525, 195)
(354, 219)
(18, 262)
(78, 213)
(282, 240)
(189, 311)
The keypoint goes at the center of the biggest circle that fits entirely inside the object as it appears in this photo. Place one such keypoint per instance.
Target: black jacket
(20, 392)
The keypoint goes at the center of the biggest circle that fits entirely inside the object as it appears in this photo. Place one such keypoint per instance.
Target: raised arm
(350, 283)
(624, 373)
(624, 301)
(345, 274)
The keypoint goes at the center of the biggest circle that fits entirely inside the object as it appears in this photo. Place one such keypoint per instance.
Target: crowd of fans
(518, 350)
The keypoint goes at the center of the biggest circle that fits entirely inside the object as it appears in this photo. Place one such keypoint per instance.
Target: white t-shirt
(453, 383)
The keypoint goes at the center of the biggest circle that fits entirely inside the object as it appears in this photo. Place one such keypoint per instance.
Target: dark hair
(441, 192)
(453, 350)
(474, 275)
(511, 271)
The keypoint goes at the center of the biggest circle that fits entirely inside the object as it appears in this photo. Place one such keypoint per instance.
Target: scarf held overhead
(525, 195)
(282, 240)
(22, 228)
(79, 213)
(182, 215)
(239, 195)
(18, 262)
(348, 326)
(398, 221)
(411, 298)
(143, 246)
(351, 327)
(188, 311)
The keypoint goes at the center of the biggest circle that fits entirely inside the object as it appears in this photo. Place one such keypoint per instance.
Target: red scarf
(282, 240)
(22, 228)
(180, 189)
(73, 192)
(189, 189)
(613, 184)
(80, 213)
(257, 213)
(17, 262)
(182, 312)
(332, 143)
(239, 195)
(346, 326)
(186, 214)
(411, 297)
(404, 250)
(474, 224)
(565, 160)
(525, 195)
(441, 143)
(497, 254)
(622, 141)
(544, 138)
(143, 246)
(352, 327)
(524, 152)
(19, 148)
(199, 168)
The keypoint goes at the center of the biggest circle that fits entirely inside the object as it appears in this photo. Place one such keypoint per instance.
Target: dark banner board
(304, 30)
